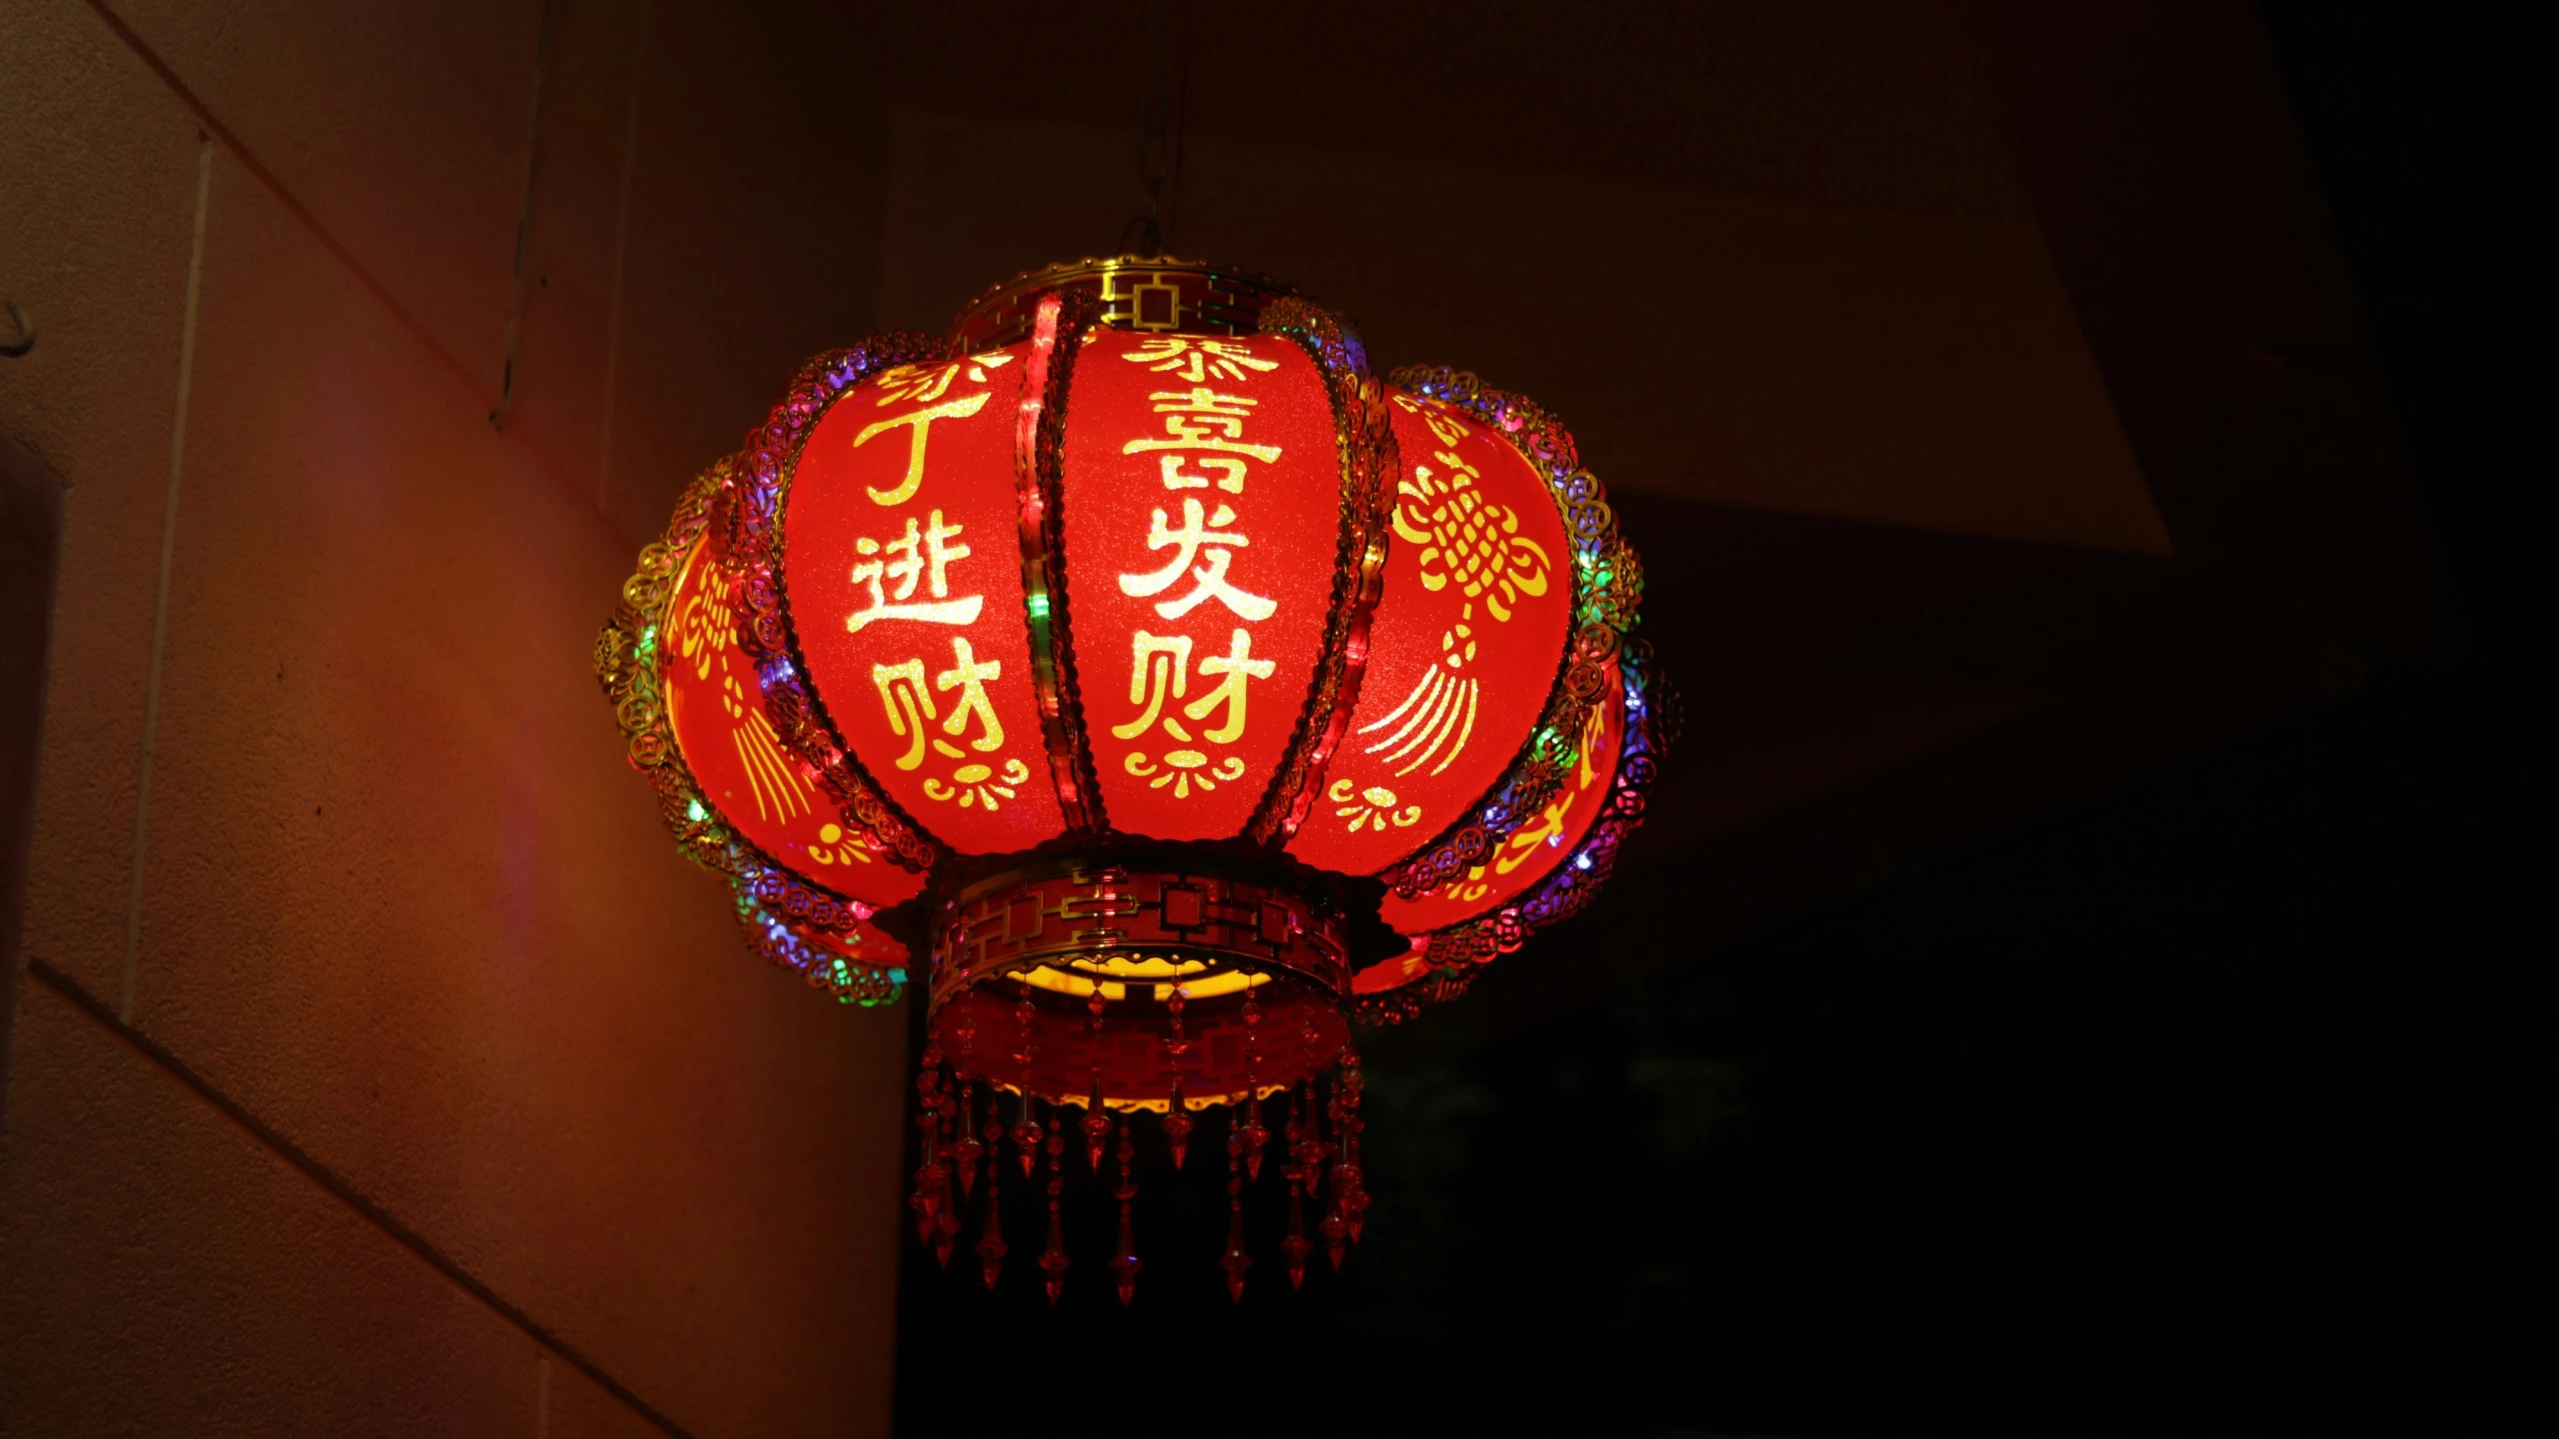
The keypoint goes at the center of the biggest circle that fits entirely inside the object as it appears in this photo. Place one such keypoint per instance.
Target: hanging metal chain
(1160, 126)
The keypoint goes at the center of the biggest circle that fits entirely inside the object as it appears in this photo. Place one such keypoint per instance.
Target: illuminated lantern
(1185, 694)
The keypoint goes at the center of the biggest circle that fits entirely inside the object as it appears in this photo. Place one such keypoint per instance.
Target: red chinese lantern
(1189, 696)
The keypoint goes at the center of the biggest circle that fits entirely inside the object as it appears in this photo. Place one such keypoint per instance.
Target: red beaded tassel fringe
(962, 1154)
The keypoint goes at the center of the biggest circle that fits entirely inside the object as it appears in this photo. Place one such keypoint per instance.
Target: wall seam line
(346, 1192)
(132, 967)
(524, 217)
(213, 126)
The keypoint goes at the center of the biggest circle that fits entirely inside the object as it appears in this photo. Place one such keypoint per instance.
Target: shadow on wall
(30, 543)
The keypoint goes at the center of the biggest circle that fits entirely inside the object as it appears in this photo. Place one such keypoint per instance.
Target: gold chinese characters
(925, 384)
(922, 552)
(911, 577)
(1204, 445)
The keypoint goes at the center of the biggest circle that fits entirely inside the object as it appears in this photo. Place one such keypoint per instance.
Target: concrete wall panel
(404, 128)
(94, 237)
(560, 383)
(407, 904)
(165, 1273)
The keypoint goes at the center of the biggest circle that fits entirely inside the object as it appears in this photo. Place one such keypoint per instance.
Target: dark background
(2198, 1108)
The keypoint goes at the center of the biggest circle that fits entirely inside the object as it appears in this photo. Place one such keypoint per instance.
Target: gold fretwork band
(1129, 292)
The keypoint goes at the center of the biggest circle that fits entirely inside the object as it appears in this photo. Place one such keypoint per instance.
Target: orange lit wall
(378, 1067)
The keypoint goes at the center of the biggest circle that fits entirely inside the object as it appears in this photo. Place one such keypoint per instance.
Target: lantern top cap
(1129, 292)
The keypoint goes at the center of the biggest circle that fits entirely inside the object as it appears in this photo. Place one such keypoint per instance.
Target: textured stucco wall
(378, 1068)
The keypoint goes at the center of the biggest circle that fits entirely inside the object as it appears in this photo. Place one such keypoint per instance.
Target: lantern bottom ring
(1142, 980)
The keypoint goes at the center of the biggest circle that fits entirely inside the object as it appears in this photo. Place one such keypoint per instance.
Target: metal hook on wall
(26, 332)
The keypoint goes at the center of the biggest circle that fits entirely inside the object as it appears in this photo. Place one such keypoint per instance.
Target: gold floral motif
(1182, 769)
(834, 847)
(1468, 539)
(1606, 585)
(979, 784)
(1447, 427)
(1373, 807)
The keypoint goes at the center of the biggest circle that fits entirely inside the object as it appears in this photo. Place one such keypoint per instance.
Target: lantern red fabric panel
(762, 791)
(1534, 849)
(1464, 647)
(1395, 973)
(906, 589)
(1202, 513)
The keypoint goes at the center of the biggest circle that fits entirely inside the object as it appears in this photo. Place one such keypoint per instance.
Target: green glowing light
(1039, 607)
(695, 812)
